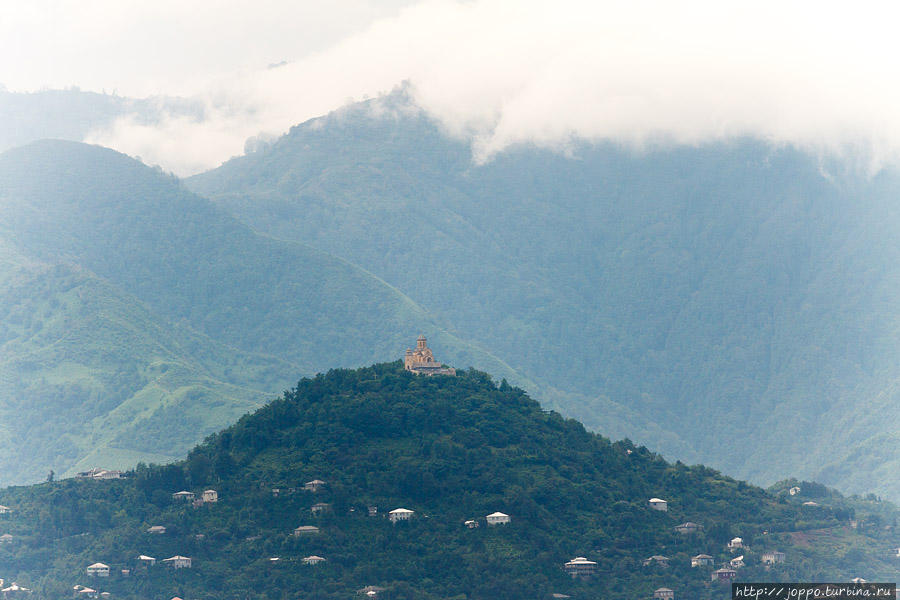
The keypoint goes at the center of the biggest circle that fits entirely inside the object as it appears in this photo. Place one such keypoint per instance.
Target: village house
(97, 473)
(6, 538)
(210, 496)
(663, 594)
(98, 570)
(701, 560)
(313, 560)
(178, 562)
(86, 592)
(497, 518)
(794, 491)
(5, 510)
(157, 529)
(737, 562)
(14, 591)
(400, 514)
(147, 561)
(656, 559)
(370, 591)
(580, 567)
(858, 580)
(723, 575)
(659, 504)
(735, 544)
(183, 496)
(688, 527)
(315, 485)
(373, 511)
(771, 558)
(305, 529)
(421, 360)
(320, 507)
(471, 524)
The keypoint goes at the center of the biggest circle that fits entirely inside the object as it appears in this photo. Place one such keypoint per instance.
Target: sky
(497, 72)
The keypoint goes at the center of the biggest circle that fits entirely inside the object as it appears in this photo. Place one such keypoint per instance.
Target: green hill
(451, 449)
(724, 303)
(136, 318)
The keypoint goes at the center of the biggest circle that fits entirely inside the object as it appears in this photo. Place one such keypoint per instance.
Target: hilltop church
(421, 360)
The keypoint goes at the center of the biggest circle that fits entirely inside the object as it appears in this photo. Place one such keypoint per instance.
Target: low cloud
(649, 73)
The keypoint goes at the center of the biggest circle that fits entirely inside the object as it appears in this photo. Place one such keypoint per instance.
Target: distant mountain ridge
(138, 317)
(728, 303)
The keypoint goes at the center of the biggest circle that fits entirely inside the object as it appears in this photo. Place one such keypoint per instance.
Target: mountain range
(732, 303)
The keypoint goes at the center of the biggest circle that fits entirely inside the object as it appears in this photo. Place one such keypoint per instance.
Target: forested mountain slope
(729, 303)
(451, 449)
(136, 317)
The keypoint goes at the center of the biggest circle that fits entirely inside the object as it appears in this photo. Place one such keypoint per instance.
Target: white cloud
(812, 74)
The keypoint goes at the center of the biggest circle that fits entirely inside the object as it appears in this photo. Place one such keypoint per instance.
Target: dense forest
(451, 449)
(683, 296)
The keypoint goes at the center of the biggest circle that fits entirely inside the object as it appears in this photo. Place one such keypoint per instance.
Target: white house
(663, 594)
(473, 524)
(314, 486)
(400, 514)
(6, 538)
(305, 529)
(183, 495)
(210, 496)
(737, 562)
(5, 510)
(178, 562)
(723, 575)
(735, 544)
(319, 507)
(313, 560)
(146, 560)
(770, 558)
(98, 570)
(157, 529)
(497, 518)
(656, 559)
(659, 504)
(580, 567)
(701, 560)
(688, 527)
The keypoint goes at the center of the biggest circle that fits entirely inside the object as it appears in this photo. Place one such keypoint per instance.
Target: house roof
(400, 511)
(498, 514)
(145, 557)
(662, 590)
(703, 556)
(657, 500)
(98, 566)
(318, 481)
(176, 557)
(580, 560)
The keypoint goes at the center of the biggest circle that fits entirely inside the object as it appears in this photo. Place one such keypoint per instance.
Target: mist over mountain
(137, 317)
(732, 303)
(73, 114)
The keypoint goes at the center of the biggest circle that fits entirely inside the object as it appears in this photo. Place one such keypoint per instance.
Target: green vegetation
(727, 303)
(449, 448)
(136, 318)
